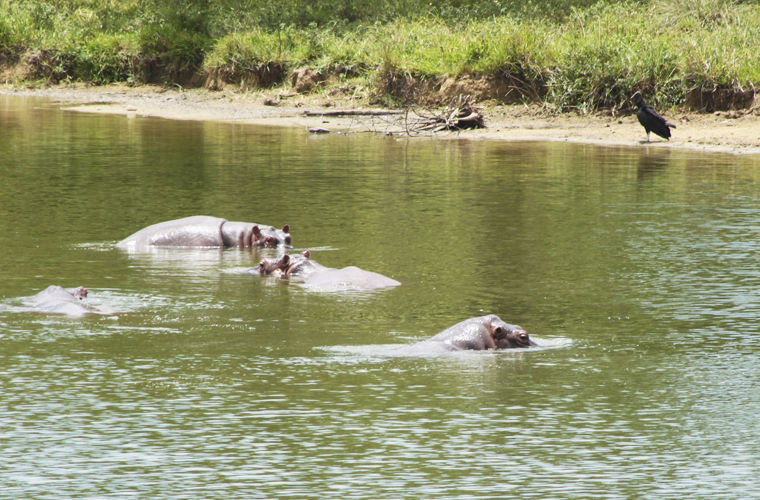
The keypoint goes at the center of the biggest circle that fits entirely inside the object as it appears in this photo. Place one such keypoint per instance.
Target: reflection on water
(633, 268)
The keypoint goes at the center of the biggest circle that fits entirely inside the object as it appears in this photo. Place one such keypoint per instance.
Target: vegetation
(580, 54)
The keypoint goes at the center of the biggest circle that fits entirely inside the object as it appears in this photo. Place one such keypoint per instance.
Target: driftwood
(459, 114)
(353, 112)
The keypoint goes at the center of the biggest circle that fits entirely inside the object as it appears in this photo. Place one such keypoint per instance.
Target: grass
(578, 55)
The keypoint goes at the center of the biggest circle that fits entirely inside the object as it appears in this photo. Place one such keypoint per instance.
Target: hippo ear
(306, 253)
(286, 228)
(256, 231)
(499, 332)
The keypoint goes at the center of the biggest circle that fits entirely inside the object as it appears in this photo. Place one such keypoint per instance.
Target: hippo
(315, 276)
(478, 334)
(59, 300)
(205, 231)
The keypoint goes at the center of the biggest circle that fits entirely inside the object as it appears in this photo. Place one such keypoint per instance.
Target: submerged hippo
(205, 231)
(478, 334)
(318, 277)
(59, 300)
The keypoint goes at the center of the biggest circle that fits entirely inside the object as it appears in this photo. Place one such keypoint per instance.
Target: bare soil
(736, 132)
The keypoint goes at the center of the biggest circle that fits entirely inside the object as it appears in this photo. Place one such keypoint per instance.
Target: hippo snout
(520, 338)
(514, 338)
(524, 339)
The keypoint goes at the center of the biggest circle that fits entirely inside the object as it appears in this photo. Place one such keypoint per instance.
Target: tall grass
(581, 54)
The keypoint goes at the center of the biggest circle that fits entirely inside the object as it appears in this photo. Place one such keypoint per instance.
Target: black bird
(650, 120)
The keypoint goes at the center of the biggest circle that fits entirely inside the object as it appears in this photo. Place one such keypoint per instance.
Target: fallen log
(353, 112)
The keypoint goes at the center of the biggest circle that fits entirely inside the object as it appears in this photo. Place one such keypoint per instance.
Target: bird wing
(654, 114)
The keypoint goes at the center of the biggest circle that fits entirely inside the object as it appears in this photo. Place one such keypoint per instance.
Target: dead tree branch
(459, 114)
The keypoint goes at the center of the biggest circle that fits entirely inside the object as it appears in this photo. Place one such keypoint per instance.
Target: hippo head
(80, 293)
(271, 237)
(269, 266)
(285, 265)
(507, 336)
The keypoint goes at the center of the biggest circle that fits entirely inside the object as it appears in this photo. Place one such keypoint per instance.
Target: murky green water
(637, 269)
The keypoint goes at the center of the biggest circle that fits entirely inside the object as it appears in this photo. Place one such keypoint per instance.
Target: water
(635, 269)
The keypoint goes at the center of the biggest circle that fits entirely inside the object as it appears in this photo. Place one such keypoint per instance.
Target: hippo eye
(523, 337)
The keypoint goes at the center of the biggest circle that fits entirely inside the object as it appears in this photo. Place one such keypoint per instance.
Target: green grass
(580, 55)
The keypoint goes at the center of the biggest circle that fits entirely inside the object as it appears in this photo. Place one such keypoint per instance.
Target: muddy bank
(727, 132)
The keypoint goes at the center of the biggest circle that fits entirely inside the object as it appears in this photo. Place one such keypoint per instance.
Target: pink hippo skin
(205, 231)
(317, 277)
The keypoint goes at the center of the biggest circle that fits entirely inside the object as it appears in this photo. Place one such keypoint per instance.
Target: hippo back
(58, 300)
(348, 278)
(469, 334)
(196, 231)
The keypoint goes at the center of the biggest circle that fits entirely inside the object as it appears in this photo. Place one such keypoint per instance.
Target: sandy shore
(724, 132)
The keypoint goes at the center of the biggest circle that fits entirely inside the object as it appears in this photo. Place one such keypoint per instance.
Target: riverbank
(724, 132)
(574, 56)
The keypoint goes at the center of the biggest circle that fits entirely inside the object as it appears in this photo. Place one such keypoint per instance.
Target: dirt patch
(730, 132)
(305, 80)
(726, 99)
(479, 89)
(47, 65)
(12, 71)
(260, 76)
(427, 91)
(409, 89)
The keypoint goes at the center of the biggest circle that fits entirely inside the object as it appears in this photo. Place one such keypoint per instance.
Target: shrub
(108, 58)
